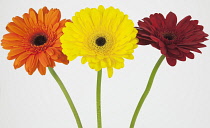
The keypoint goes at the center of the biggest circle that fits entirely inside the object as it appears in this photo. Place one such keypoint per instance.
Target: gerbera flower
(103, 37)
(34, 40)
(175, 41)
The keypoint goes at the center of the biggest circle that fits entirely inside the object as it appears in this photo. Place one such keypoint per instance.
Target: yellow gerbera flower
(103, 37)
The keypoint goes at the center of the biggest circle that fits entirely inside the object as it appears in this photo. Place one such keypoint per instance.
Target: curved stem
(146, 91)
(98, 98)
(71, 104)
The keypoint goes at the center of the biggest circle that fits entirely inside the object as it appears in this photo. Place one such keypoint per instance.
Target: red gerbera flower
(175, 41)
(34, 40)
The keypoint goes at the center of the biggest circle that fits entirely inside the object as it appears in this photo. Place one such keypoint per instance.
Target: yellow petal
(83, 60)
(110, 72)
(103, 64)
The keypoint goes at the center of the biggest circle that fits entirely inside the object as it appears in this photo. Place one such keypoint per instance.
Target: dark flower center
(39, 40)
(100, 41)
(169, 36)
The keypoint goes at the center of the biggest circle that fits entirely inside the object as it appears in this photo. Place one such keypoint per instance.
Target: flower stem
(98, 98)
(71, 104)
(146, 91)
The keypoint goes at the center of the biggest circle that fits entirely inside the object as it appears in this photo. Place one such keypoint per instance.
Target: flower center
(169, 36)
(100, 41)
(39, 40)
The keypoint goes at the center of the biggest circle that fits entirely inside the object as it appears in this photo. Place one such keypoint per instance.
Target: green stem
(71, 104)
(98, 98)
(146, 91)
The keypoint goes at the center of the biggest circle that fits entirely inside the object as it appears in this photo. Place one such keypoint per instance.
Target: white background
(180, 97)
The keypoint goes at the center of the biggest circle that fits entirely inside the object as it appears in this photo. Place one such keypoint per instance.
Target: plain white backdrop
(180, 97)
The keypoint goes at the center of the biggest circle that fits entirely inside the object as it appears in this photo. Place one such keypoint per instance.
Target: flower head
(174, 40)
(103, 37)
(34, 40)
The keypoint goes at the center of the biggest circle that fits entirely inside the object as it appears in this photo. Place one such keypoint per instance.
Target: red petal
(182, 58)
(157, 20)
(191, 48)
(199, 45)
(155, 39)
(171, 20)
(184, 50)
(171, 61)
(163, 50)
(154, 21)
(174, 51)
(144, 26)
(190, 55)
(155, 45)
(144, 42)
(183, 22)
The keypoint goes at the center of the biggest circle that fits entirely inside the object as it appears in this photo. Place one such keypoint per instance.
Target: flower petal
(110, 72)
(43, 59)
(20, 60)
(171, 61)
(41, 69)
(190, 55)
(171, 20)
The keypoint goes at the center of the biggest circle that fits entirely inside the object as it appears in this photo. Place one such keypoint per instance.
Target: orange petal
(13, 27)
(59, 35)
(45, 10)
(41, 16)
(15, 51)
(10, 44)
(52, 17)
(59, 56)
(50, 51)
(56, 54)
(59, 31)
(57, 43)
(12, 36)
(48, 17)
(9, 30)
(41, 69)
(33, 15)
(55, 27)
(19, 22)
(28, 64)
(13, 57)
(63, 59)
(35, 61)
(43, 59)
(20, 60)
(26, 20)
(31, 64)
(52, 63)
(20, 63)
(55, 16)
(32, 22)
(62, 22)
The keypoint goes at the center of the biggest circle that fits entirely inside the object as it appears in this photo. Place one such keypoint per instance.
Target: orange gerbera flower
(34, 40)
